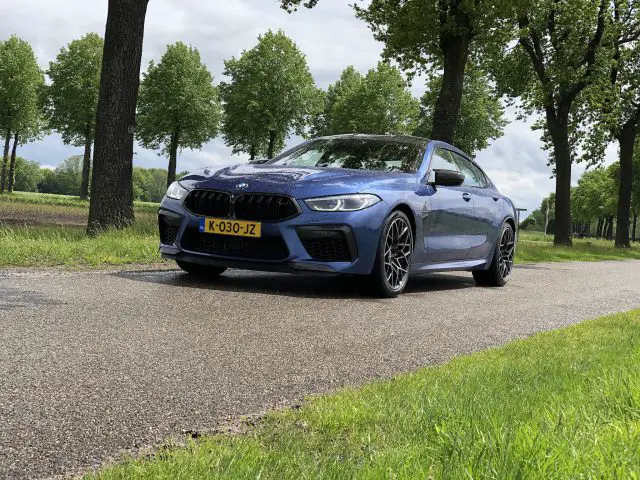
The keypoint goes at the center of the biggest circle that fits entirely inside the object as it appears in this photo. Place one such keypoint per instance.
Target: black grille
(208, 202)
(263, 248)
(326, 246)
(265, 207)
(168, 229)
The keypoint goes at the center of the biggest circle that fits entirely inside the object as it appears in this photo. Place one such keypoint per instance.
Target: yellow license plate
(222, 226)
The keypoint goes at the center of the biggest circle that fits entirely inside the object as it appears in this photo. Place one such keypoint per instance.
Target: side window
(472, 175)
(441, 160)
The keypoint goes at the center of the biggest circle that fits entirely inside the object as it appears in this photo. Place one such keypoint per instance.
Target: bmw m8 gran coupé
(384, 207)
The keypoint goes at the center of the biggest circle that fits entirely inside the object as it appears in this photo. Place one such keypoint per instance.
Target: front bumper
(319, 242)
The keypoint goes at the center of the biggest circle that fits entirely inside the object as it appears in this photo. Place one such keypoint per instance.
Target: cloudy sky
(329, 35)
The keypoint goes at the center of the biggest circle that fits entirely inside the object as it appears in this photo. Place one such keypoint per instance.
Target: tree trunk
(5, 159)
(86, 164)
(112, 195)
(558, 128)
(626, 139)
(12, 165)
(599, 228)
(635, 223)
(272, 143)
(253, 152)
(173, 157)
(455, 51)
(609, 234)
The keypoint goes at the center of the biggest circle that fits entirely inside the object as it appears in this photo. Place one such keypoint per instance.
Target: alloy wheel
(397, 253)
(507, 246)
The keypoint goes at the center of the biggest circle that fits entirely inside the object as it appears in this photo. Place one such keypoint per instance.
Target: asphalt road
(95, 363)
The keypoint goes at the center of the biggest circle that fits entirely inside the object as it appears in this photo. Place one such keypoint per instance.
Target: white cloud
(329, 35)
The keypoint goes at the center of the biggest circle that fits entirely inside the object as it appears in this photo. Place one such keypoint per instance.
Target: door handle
(466, 197)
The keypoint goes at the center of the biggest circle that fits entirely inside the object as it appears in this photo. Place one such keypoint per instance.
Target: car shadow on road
(309, 286)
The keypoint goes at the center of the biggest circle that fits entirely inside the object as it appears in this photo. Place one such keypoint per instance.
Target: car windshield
(359, 153)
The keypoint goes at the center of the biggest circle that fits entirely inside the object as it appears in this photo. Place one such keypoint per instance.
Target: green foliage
(72, 97)
(149, 185)
(28, 175)
(540, 214)
(378, 102)
(414, 31)
(557, 405)
(562, 56)
(481, 112)
(21, 84)
(178, 102)
(270, 95)
(65, 179)
(596, 194)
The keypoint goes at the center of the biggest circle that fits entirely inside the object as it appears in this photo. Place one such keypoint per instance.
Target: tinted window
(359, 153)
(441, 160)
(473, 177)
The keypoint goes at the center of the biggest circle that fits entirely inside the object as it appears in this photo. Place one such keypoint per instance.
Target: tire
(391, 269)
(200, 270)
(502, 264)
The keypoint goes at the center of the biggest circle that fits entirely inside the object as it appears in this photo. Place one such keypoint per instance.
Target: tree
(594, 198)
(149, 184)
(112, 196)
(28, 175)
(21, 82)
(378, 103)
(73, 96)
(635, 192)
(178, 105)
(426, 35)
(560, 52)
(271, 94)
(481, 113)
(618, 116)
(65, 179)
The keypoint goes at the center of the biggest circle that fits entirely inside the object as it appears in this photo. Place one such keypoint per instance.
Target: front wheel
(199, 269)
(498, 273)
(393, 260)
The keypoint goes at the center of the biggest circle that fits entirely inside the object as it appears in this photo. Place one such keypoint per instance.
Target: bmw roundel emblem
(242, 185)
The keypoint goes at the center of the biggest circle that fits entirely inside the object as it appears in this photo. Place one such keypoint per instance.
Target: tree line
(270, 94)
(149, 184)
(594, 204)
(573, 62)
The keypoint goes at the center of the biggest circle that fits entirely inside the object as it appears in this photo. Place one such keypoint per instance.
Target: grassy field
(563, 404)
(45, 230)
(48, 230)
(534, 247)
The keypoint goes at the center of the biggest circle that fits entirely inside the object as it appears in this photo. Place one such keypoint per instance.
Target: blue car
(375, 206)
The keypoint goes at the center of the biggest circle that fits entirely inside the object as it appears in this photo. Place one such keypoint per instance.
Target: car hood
(295, 181)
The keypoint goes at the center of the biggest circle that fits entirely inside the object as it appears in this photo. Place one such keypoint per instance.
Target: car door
(486, 216)
(448, 215)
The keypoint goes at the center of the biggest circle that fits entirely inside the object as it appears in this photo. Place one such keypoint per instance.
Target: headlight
(342, 203)
(176, 191)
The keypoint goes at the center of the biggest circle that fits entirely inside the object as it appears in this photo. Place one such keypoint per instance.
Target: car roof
(366, 136)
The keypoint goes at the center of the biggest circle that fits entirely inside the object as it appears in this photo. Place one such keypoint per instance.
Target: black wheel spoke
(505, 255)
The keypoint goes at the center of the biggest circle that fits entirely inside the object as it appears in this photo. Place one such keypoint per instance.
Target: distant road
(94, 363)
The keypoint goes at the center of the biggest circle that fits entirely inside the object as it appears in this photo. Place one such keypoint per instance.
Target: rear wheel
(393, 260)
(502, 264)
(199, 269)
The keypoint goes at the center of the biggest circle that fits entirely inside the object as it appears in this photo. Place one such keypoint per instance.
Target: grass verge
(536, 247)
(24, 246)
(562, 404)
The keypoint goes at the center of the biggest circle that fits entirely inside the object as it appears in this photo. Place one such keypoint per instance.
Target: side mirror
(448, 178)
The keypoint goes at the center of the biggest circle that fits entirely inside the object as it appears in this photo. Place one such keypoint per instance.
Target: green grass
(535, 247)
(49, 246)
(563, 404)
(65, 200)
(39, 229)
